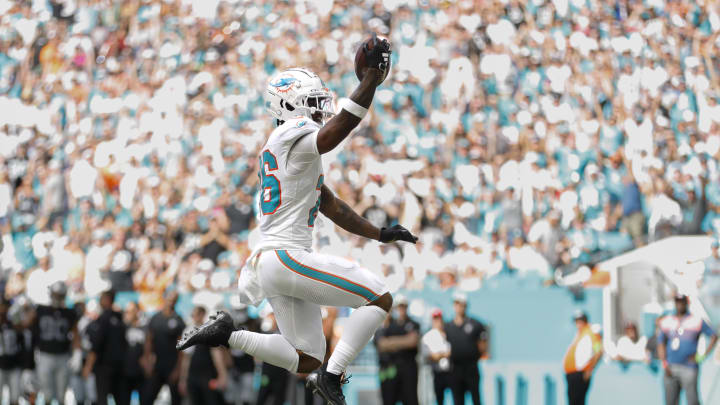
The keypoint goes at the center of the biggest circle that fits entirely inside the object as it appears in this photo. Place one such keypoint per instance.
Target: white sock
(273, 349)
(357, 331)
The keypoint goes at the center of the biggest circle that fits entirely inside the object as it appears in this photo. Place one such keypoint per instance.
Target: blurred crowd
(529, 138)
(130, 130)
(514, 138)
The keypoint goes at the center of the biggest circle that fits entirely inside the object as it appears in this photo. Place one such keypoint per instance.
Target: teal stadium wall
(530, 328)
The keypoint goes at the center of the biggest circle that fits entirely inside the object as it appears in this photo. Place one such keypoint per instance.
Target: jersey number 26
(271, 196)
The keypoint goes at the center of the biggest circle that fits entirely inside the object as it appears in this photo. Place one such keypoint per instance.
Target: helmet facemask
(319, 106)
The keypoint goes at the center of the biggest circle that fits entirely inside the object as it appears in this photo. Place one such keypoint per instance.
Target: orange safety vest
(585, 345)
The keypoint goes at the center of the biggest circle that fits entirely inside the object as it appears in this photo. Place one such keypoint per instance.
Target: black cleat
(215, 332)
(327, 385)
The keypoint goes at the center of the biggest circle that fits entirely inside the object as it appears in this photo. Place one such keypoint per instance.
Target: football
(361, 63)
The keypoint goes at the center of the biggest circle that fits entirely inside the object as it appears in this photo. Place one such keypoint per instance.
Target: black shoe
(327, 385)
(213, 333)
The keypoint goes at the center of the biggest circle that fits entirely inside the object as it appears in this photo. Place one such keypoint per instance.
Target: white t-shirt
(634, 351)
(434, 342)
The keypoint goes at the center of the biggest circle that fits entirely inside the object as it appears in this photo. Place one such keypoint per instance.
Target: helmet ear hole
(284, 104)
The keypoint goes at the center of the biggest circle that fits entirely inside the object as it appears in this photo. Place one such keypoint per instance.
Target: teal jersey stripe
(327, 278)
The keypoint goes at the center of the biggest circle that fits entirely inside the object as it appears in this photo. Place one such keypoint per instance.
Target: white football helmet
(298, 92)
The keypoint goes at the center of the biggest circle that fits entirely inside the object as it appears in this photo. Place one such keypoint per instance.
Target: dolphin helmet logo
(283, 84)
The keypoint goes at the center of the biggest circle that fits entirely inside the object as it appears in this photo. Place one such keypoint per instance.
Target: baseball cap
(400, 300)
(680, 297)
(436, 313)
(714, 244)
(579, 314)
(460, 297)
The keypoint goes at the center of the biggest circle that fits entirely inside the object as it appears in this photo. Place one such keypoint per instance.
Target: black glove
(379, 56)
(395, 233)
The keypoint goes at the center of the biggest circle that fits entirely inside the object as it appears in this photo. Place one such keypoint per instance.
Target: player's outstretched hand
(395, 233)
(378, 57)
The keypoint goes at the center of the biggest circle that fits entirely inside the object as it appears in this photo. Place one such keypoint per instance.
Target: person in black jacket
(401, 340)
(204, 372)
(386, 361)
(10, 354)
(136, 336)
(107, 356)
(468, 340)
(164, 330)
(22, 314)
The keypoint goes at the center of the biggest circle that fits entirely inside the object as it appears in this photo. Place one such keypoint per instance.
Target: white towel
(250, 290)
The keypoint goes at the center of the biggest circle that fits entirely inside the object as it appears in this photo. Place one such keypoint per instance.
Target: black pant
(200, 393)
(273, 384)
(153, 386)
(135, 383)
(388, 384)
(398, 383)
(577, 388)
(408, 380)
(441, 382)
(109, 380)
(463, 378)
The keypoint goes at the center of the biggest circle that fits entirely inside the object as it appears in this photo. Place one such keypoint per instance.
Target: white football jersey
(291, 175)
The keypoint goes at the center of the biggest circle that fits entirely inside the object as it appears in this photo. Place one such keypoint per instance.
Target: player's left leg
(332, 281)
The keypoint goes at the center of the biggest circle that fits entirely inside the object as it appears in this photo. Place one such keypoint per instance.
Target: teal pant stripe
(324, 277)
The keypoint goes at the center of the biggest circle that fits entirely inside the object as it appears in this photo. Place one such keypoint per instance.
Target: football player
(58, 344)
(283, 268)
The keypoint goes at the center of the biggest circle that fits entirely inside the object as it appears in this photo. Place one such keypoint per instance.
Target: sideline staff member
(468, 342)
(677, 349)
(108, 335)
(437, 350)
(580, 360)
(397, 345)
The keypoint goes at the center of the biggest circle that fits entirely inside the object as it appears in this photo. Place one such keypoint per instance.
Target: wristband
(353, 108)
(699, 358)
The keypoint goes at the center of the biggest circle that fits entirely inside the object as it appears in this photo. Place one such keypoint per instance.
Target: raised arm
(354, 109)
(344, 216)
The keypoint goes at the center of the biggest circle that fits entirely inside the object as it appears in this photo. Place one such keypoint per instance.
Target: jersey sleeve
(297, 140)
(707, 330)
(482, 331)
(302, 153)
